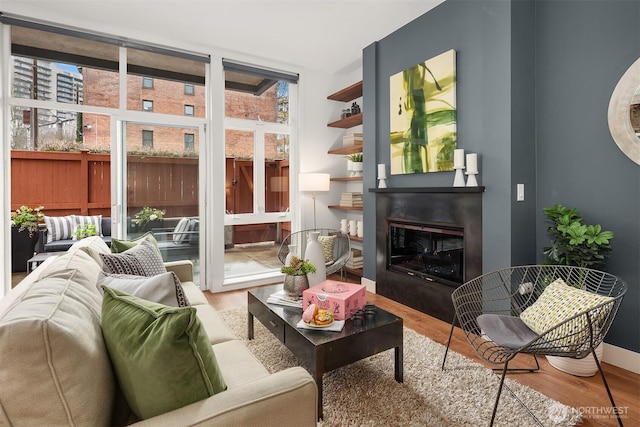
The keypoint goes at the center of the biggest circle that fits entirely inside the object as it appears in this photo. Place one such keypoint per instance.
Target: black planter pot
(22, 247)
(156, 223)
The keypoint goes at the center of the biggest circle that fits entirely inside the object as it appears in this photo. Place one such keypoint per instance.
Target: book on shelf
(349, 204)
(354, 265)
(356, 260)
(351, 199)
(351, 195)
(281, 298)
(352, 139)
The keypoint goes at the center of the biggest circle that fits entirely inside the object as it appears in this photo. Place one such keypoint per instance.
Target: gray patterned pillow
(143, 259)
(164, 288)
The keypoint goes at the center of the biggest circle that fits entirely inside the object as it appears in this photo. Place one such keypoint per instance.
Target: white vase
(353, 228)
(291, 254)
(358, 167)
(585, 367)
(315, 255)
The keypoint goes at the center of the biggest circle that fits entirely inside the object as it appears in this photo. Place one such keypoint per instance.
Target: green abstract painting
(423, 116)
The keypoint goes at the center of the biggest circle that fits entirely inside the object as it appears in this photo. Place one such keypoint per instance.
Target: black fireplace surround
(428, 242)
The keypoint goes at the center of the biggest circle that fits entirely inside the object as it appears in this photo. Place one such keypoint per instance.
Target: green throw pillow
(118, 246)
(162, 356)
(558, 303)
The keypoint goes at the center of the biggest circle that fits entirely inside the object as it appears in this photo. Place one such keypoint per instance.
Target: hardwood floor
(586, 394)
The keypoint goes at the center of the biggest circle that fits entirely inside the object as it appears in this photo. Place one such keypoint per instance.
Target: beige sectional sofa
(55, 369)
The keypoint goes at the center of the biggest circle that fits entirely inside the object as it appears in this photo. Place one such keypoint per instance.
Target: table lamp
(314, 182)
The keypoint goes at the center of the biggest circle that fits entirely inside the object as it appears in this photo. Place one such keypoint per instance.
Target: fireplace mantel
(428, 190)
(457, 207)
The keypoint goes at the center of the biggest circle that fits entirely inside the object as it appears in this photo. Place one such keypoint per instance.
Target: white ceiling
(323, 35)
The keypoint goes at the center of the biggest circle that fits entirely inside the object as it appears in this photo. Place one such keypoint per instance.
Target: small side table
(37, 259)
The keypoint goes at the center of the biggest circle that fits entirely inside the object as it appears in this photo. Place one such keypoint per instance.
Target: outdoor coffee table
(323, 351)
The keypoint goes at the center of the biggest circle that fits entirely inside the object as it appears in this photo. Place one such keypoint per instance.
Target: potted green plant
(577, 244)
(295, 279)
(85, 231)
(355, 164)
(24, 235)
(147, 217)
(573, 242)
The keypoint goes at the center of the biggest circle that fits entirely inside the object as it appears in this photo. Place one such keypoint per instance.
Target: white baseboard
(369, 284)
(622, 358)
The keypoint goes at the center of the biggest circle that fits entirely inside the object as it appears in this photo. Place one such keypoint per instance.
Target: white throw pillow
(163, 288)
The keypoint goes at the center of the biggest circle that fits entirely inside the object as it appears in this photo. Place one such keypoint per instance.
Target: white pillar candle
(472, 163)
(382, 171)
(458, 158)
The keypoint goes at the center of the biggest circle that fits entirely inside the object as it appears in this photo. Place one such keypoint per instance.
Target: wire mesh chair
(488, 310)
(341, 247)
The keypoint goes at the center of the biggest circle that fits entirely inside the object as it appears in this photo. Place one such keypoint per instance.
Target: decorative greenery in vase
(355, 157)
(148, 214)
(575, 243)
(298, 267)
(27, 218)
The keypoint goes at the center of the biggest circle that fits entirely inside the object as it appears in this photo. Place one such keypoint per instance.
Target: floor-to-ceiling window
(103, 126)
(259, 133)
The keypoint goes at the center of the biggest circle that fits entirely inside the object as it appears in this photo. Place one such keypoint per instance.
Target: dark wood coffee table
(323, 351)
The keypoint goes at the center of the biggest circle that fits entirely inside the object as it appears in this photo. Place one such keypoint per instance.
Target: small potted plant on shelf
(295, 279)
(24, 235)
(355, 164)
(147, 217)
(577, 244)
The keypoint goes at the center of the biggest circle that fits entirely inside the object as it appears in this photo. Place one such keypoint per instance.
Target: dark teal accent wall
(534, 82)
(582, 50)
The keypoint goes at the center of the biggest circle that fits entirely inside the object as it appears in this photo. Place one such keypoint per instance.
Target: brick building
(176, 98)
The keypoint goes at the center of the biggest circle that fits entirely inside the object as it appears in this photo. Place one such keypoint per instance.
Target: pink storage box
(343, 299)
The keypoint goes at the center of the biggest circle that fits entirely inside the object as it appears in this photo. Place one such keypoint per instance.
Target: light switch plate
(519, 192)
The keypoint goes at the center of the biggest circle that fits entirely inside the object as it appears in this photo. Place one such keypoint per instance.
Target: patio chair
(179, 242)
(538, 310)
(340, 241)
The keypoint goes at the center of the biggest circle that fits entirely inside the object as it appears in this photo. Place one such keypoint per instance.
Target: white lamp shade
(314, 181)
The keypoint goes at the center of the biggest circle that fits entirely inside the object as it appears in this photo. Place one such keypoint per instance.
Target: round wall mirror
(622, 108)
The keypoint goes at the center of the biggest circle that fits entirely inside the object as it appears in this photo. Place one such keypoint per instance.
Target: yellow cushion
(558, 303)
(327, 243)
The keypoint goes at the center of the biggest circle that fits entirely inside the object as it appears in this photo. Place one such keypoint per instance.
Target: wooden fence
(80, 183)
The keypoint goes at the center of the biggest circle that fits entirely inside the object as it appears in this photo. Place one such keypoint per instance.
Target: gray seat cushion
(507, 331)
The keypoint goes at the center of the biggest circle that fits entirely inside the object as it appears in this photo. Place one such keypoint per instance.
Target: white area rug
(366, 394)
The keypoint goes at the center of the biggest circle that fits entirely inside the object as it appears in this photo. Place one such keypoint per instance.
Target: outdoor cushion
(180, 233)
(163, 288)
(142, 260)
(81, 221)
(161, 355)
(558, 303)
(59, 227)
